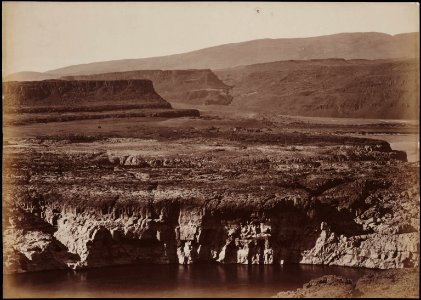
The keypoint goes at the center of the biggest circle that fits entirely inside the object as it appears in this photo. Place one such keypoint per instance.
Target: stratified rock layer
(70, 100)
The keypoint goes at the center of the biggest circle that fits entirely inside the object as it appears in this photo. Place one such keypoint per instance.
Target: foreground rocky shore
(387, 284)
(215, 195)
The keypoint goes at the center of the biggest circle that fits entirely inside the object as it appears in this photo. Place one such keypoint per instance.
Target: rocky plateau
(66, 100)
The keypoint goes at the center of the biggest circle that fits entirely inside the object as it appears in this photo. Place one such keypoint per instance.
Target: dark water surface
(206, 280)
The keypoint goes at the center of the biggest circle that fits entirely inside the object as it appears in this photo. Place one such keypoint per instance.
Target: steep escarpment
(328, 88)
(185, 86)
(316, 199)
(66, 95)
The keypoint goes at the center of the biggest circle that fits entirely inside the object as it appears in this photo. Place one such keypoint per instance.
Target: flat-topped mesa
(64, 95)
(199, 86)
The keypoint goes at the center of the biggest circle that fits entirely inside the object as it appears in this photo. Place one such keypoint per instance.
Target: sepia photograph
(210, 149)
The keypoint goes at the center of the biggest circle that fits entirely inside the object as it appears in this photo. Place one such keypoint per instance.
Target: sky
(41, 36)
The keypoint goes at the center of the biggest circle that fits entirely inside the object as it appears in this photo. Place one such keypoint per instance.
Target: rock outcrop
(328, 286)
(370, 251)
(30, 245)
(387, 284)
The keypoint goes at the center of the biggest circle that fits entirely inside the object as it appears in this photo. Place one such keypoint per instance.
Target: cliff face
(351, 202)
(185, 86)
(51, 95)
(328, 88)
(289, 232)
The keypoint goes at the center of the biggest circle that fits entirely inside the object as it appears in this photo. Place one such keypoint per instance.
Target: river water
(403, 142)
(201, 280)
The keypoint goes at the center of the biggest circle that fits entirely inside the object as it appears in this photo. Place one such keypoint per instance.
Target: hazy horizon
(64, 34)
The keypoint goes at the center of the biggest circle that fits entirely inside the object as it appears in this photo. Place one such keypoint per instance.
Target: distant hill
(185, 86)
(361, 75)
(29, 76)
(368, 45)
(328, 88)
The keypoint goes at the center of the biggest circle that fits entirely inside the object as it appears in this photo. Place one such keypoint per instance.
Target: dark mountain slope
(328, 88)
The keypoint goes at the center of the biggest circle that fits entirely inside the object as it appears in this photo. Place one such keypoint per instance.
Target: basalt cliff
(69, 94)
